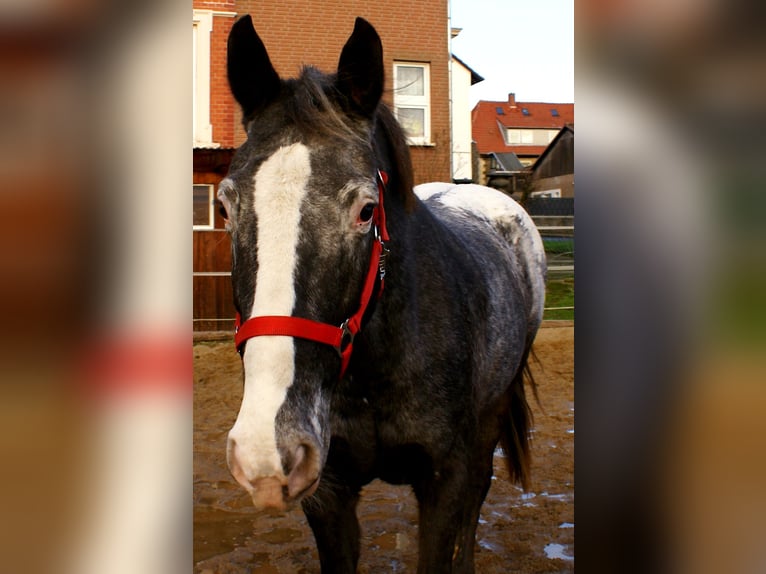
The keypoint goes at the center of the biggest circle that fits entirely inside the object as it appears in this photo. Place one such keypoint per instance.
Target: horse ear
(360, 69)
(253, 80)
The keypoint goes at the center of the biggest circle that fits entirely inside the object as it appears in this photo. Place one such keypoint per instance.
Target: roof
(475, 76)
(509, 161)
(565, 131)
(488, 118)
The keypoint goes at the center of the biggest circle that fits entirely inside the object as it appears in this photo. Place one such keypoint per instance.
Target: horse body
(470, 202)
(435, 379)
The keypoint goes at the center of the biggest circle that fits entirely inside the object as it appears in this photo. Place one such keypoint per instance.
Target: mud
(530, 532)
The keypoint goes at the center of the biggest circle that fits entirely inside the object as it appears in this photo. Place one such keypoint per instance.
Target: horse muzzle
(276, 490)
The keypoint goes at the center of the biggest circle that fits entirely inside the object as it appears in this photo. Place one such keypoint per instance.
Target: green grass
(738, 307)
(559, 292)
(558, 246)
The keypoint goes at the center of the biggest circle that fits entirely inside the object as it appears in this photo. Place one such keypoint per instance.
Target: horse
(384, 330)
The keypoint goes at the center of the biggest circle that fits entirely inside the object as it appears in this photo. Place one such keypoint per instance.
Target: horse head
(301, 202)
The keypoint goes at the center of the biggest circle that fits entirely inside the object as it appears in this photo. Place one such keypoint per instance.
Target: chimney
(512, 100)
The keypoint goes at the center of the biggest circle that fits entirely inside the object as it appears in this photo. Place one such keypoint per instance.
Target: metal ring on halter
(346, 339)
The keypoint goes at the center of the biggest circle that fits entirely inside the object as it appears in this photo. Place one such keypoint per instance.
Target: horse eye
(366, 214)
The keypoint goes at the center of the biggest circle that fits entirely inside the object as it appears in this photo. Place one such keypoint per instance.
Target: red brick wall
(220, 5)
(222, 104)
(297, 32)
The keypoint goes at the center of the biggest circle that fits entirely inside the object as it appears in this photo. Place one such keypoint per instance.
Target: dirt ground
(529, 532)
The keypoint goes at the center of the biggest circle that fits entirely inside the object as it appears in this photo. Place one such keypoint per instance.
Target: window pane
(409, 81)
(527, 136)
(202, 201)
(413, 121)
(514, 136)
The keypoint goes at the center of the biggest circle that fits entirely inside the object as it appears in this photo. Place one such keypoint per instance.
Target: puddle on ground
(559, 497)
(557, 552)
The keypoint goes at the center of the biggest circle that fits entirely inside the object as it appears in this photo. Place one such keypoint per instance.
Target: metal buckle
(383, 252)
(346, 339)
(382, 261)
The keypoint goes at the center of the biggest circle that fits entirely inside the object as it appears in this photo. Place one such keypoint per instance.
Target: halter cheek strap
(340, 338)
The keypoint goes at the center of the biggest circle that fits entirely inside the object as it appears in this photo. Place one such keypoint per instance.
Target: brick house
(295, 32)
(213, 146)
(523, 129)
(415, 51)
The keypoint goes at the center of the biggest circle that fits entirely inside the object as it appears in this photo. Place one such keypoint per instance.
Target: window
(529, 136)
(202, 130)
(203, 207)
(525, 111)
(412, 101)
(500, 111)
(517, 136)
(554, 112)
(546, 193)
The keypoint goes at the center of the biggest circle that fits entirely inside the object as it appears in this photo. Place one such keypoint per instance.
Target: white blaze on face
(280, 187)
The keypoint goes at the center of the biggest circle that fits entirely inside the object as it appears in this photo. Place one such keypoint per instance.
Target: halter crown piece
(340, 338)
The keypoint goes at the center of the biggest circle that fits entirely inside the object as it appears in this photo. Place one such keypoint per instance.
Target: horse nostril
(304, 474)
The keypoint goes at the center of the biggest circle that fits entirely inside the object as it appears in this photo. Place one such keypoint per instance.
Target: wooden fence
(213, 306)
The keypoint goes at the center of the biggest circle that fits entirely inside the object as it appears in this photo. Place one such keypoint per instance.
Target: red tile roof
(487, 123)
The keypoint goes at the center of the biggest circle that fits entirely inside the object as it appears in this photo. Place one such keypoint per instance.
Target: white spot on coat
(499, 208)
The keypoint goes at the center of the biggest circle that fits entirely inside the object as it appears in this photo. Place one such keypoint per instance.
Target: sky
(520, 46)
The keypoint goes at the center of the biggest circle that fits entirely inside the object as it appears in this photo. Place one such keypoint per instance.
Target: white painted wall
(461, 122)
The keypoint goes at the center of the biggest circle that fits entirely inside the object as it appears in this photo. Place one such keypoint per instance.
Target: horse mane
(399, 154)
(317, 93)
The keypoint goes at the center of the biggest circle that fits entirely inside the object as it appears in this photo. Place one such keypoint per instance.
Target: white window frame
(522, 136)
(529, 136)
(417, 102)
(211, 207)
(202, 129)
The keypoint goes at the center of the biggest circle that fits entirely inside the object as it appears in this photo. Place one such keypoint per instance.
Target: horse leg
(331, 514)
(449, 504)
(479, 484)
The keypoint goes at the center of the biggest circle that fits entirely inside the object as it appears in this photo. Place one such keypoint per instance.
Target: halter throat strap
(341, 338)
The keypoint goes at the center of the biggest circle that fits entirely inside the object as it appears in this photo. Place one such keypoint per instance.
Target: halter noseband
(340, 338)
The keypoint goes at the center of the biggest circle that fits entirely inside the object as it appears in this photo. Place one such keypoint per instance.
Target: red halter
(340, 338)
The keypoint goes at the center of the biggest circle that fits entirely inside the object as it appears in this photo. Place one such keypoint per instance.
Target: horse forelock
(315, 108)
